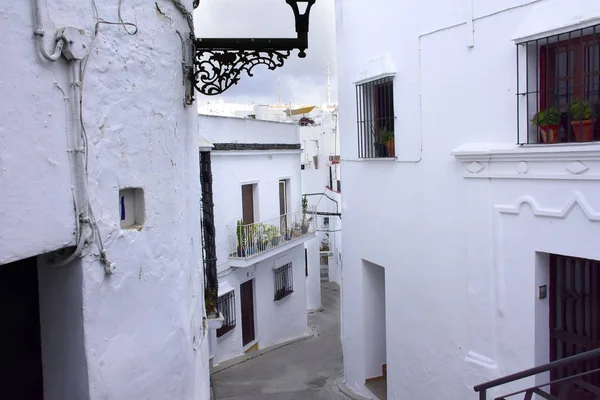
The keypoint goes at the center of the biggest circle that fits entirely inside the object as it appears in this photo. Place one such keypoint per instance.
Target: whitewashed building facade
(261, 230)
(96, 163)
(468, 229)
(321, 183)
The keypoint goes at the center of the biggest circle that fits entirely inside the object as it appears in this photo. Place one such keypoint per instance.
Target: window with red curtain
(570, 71)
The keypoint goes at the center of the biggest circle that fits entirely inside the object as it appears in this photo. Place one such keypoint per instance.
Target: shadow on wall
(20, 347)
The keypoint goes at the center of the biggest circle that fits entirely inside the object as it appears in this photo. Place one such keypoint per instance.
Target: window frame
(283, 281)
(539, 77)
(224, 303)
(375, 111)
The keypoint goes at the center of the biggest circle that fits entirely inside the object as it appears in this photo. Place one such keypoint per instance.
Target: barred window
(284, 281)
(559, 87)
(226, 306)
(375, 118)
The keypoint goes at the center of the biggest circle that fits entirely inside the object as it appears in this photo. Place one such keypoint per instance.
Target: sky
(301, 80)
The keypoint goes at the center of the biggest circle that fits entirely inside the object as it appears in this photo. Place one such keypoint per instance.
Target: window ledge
(528, 152)
(215, 322)
(568, 161)
(375, 159)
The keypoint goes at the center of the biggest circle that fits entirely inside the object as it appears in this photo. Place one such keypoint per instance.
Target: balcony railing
(253, 239)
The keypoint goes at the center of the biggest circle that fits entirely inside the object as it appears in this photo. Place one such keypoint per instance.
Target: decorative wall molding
(474, 167)
(579, 161)
(577, 167)
(577, 200)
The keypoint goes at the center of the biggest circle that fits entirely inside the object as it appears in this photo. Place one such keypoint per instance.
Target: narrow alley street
(304, 370)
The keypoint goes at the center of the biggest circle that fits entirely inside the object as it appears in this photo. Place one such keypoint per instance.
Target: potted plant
(251, 242)
(210, 300)
(387, 137)
(289, 234)
(274, 236)
(296, 230)
(582, 120)
(241, 239)
(380, 150)
(548, 120)
(260, 236)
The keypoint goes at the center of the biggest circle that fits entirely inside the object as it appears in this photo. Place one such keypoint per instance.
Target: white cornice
(572, 161)
(499, 152)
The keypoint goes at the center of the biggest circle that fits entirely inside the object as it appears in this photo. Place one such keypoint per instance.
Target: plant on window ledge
(582, 120)
(380, 150)
(210, 299)
(387, 138)
(548, 121)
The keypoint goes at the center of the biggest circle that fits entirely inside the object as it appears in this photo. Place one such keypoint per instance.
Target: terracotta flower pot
(549, 133)
(391, 148)
(583, 130)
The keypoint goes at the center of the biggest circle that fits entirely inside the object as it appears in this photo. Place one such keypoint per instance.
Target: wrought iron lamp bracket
(219, 63)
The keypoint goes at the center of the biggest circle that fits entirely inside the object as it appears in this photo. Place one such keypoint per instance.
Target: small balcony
(256, 242)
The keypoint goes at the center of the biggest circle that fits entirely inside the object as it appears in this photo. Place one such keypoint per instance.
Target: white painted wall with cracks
(140, 329)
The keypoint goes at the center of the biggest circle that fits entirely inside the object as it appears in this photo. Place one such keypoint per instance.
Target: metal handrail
(588, 355)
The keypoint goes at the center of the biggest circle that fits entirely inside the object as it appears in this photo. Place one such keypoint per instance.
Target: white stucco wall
(36, 208)
(142, 327)
(322, 141)
(243, 130)
(461, 271)
(275, 321)
(313, 280)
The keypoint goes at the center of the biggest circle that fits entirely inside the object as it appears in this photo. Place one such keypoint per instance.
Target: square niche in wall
(131, 208)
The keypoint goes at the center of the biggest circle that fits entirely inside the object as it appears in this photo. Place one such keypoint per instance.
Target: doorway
(21, 350)
(247, 300)
(574, 321)
(375, 351)
(248, 204)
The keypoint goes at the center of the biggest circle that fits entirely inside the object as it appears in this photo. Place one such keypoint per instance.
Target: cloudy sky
(302, 80)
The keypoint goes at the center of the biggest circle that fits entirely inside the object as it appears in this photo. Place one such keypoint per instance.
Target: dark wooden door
(247, 299)
(574, 322)
(248, 204)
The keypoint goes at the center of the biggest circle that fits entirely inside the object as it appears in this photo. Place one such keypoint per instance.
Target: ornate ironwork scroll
(218, 70)
(219, 62)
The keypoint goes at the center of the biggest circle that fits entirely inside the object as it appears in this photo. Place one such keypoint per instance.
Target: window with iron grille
(284, 281)
(226, 306)
(558, 88)
(375, 118)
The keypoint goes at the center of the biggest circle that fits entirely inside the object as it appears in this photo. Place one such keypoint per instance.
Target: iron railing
(209, 249)
(556, 73)
(565, 388)
(253, 239)
(284, 281)
(375, 118)
(226, 306)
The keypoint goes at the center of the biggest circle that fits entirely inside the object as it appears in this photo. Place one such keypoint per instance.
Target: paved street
(303, 370)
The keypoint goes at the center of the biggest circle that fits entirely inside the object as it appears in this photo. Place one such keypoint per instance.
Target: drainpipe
(209, 248)
(39, 35)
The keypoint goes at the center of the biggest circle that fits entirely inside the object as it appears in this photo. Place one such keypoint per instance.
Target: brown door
(248, 204)
(282, 198)
(247, 298)
(574, 323)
